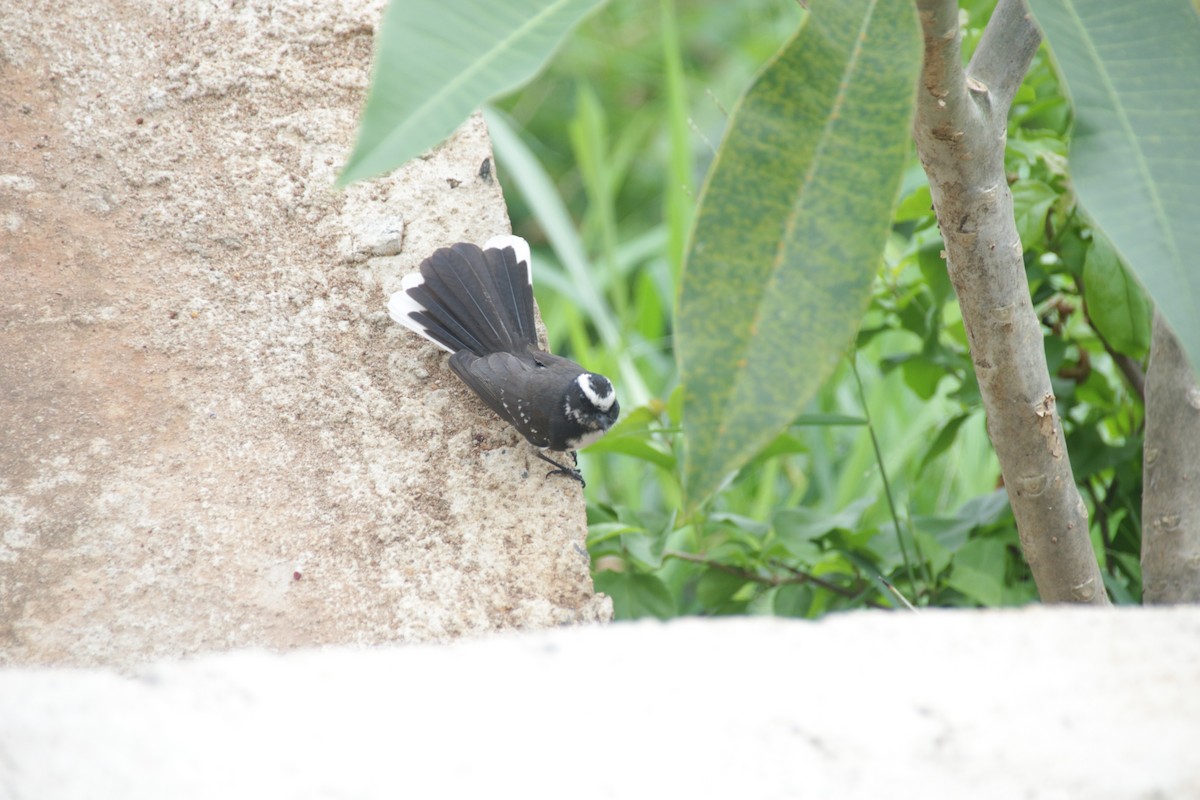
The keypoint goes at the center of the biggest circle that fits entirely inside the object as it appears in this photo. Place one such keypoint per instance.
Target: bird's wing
(511, 385)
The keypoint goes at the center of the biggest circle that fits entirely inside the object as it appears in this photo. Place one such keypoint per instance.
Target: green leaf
(922, 376)
(1091, 454)
(633, 436)
(636, 445)
(941, 442)
(636, 595)
(1031, 202)
(798, 527)
(791, 229)
(1115, 302)
(978, 571)
(439, 60)
(1133, 73)
(917, 205)
(646, 551)
(793, 600)
(932, 262)
(937, 556)
(715, 588)
(784, 444)
(738, 522)
(603, 531)
(953, 532)
(985, 509)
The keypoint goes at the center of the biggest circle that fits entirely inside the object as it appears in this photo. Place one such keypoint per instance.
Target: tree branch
(1171, 486)
(942, 74)
(1005, 51)
(960, 130)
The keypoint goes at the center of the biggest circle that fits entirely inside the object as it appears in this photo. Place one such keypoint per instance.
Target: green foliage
(1120, 312)
(1134, 72)
(439, 61)
(777, 277)
(806, 526)
(886, 473)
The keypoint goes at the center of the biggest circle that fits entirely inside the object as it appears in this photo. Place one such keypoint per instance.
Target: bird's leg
(562, 469)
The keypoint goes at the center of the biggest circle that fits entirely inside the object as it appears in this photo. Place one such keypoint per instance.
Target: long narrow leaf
(791, 229)
(439, 60)
(1133, 73)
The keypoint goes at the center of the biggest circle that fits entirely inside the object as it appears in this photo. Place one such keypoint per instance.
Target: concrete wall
(1045, 704)
(212, 436)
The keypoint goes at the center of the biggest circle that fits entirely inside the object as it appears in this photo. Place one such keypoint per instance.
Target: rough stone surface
(212, 434)
(1044, 704)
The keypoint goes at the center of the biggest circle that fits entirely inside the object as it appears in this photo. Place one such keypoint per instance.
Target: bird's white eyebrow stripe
(601, 401)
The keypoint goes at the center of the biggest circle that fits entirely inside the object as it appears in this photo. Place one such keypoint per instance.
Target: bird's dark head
(592, 404)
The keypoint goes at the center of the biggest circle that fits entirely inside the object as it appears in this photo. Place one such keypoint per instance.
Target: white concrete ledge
(1043, 703)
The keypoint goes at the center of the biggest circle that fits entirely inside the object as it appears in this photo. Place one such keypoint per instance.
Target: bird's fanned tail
(471, 298)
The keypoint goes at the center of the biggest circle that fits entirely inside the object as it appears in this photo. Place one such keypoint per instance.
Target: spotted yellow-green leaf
(791, 228)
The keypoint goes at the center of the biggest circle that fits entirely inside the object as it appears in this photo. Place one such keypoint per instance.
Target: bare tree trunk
(960, 130)
(1171, 475)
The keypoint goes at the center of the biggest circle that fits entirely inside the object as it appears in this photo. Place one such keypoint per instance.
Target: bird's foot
(563, 469)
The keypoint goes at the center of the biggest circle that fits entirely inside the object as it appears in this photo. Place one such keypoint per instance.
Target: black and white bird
(477, 303)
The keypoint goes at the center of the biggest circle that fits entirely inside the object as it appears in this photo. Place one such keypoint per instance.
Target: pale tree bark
(960, 131)
(1171, 475)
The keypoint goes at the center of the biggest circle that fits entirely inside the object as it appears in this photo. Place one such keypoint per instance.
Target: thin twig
(896, 593)
(808, 577)
(887, 486)
(729, 569)
(797, 576)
